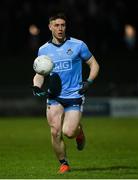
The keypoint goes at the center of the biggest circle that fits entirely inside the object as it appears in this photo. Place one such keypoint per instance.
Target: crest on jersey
(69, 51)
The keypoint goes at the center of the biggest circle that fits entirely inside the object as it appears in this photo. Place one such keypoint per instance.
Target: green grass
(111, 150)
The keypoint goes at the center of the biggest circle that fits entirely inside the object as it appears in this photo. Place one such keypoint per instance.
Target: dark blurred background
(109, 28)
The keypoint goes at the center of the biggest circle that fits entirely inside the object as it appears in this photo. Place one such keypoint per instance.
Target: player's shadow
(105, 168)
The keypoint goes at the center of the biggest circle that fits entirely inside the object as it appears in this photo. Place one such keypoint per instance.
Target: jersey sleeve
(39, 52)
(85, 53)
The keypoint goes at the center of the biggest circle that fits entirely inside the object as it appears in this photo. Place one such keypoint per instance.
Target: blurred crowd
(101, 23)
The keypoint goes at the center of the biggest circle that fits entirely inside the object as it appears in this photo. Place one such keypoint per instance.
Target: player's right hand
(38, 91)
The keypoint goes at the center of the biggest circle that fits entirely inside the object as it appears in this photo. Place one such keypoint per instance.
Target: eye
(63, 25)
(56, 25)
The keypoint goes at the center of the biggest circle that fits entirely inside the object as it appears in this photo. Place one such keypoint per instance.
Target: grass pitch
(111, 150)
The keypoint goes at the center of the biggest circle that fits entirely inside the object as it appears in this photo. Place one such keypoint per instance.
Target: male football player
(66, 89)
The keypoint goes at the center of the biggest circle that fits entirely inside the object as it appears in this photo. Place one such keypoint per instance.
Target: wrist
(90, 81)
(37, 86)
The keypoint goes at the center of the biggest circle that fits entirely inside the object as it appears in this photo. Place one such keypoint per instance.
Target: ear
(49, 27)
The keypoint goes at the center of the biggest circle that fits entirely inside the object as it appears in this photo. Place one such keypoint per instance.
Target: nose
(60, 28)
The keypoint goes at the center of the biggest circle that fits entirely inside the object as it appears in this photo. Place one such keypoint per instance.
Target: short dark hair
(58, 16)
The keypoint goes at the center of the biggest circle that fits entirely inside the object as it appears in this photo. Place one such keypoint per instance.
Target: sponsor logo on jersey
(63, 65)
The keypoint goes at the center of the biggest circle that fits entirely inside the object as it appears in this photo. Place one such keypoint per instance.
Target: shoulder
(77, 41)
(44, 46)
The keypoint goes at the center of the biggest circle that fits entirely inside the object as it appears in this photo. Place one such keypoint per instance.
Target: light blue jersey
(67, 58)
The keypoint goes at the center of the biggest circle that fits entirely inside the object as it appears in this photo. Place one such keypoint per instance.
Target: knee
(68, 133)
(55, 132)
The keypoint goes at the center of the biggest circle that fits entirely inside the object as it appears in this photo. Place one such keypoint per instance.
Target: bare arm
(94, 68)
(38, 80)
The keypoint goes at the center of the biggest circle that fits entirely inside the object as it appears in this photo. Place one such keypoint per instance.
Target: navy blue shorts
(68, 104)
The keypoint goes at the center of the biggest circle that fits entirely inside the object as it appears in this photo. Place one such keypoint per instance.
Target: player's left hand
(85, 87)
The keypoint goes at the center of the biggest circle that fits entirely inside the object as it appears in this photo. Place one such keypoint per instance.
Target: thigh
(71, 120)
(54, 114)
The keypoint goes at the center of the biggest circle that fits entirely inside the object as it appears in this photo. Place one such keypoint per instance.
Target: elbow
(98, 68)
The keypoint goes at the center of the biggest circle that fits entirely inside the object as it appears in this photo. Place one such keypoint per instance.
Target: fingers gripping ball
(43, 65)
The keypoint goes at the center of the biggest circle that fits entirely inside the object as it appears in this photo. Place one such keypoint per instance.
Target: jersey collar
(59, 45)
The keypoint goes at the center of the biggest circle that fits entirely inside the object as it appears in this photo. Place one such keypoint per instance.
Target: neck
(58, 41)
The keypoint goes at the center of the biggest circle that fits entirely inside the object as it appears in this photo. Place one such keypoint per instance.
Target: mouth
(60, 34)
